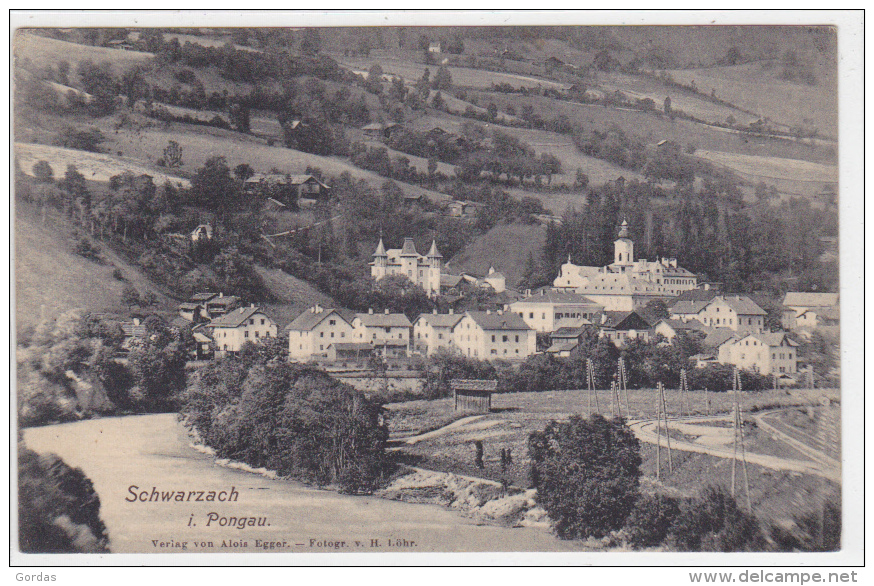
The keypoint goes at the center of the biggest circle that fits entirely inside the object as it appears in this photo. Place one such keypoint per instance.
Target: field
(45, 51)
(296, 295)
(201, 143)
(756, 87)
(505, 247)
(94, 166)
(515, 415)
(461, 76)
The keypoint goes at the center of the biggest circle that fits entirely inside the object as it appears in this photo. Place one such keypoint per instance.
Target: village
(553, 288)
(614, 300)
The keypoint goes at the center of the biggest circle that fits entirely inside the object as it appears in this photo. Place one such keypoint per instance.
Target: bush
(650, 521)
(587, 473)
(58, 510)
(714, 522)
(815, 531)
(290, 418)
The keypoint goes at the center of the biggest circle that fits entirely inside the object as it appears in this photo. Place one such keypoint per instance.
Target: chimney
(221, 295)
(136, 321)
(434, 311)
(370, 310)
(313, 309)
(500, 312)
(451, 311)
(386, 310)
(252, 305)
(488, 312)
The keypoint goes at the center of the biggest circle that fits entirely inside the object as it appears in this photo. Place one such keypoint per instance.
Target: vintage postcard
(298, 283)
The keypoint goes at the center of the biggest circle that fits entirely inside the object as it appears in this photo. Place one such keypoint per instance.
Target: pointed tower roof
(409, 248)
(623, 229)
(380, 249)
(434, 253)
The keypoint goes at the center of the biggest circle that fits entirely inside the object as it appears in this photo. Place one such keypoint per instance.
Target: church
(626, 284)
(421, 270)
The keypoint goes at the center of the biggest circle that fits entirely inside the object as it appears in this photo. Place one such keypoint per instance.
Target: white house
(766, 352)
(313, 331)
(550, 310)
(488, 335)
(810, 310)
(246, 324)
(433, 331)
(389, 333)
(735, 312)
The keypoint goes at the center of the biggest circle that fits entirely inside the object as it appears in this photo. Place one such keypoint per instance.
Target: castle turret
(431, 285)
(380, 262)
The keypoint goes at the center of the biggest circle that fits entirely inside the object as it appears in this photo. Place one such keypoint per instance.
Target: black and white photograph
(561, 282)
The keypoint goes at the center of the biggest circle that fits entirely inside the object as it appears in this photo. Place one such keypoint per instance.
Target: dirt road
(154, 451)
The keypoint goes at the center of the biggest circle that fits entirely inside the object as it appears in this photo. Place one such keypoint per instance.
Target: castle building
(421, 270)
(626, 284)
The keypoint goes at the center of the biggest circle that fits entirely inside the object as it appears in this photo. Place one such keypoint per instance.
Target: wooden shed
(473, 395)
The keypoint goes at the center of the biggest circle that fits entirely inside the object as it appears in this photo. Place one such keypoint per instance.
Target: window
(790, 355)
(332, 334)
(387, 330)
(493, 338)
(543, 316)
(342, 334)
(409, 273)
(494, 351)
(251, 321)
(419, 335)
(401, 336)
(421, 273)
(439, 336)
(262, 321)
(332, 322)
(321, 334)
(531, 315)
(517, 341)
(321, 347)
(246, 334)
(506, 338)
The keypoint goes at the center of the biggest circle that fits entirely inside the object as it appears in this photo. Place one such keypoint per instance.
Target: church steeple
(380, 249)
(623, 229)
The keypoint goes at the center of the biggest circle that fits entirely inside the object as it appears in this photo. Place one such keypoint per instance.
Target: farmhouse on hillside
(246, 324)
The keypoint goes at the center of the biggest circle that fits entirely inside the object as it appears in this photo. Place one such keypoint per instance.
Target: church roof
(434, 253)
(380, 249)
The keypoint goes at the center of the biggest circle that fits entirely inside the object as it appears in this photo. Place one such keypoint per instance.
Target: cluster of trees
(259, 409)
(58, 510)
(67, 369)
(751, 249)
(587, 475)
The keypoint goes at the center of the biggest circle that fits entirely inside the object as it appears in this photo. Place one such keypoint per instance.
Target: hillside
(505, 247)
(51, 279)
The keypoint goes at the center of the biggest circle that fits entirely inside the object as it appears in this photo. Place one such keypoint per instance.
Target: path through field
(153, 451)
(712, 444)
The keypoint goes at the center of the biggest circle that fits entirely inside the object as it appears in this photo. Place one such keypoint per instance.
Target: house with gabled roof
(735, 312)
(311, 333)
(669, 328)
(621, 326)
(433, 331)
(490, 335)
(565, 339)
(389, 333)
(548, 310)
(766, 352)
(810, 310)
(245, 324)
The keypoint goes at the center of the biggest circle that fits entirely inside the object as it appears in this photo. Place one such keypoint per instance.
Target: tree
(442, 79)
(587, 473)
(173, 155)
(243, 171)
(130, 296)
(581, 180)
(214, 187)
(714, 522)
(43, 173)
(311, 43)
(240, 118)
(667, 107)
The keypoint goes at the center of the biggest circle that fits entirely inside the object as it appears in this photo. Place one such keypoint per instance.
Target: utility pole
(590, 375)
(739, 438)
(623, 384)
(684, 391)
(661, 408)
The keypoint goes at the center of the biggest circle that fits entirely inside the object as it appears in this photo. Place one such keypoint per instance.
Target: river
(153, 451)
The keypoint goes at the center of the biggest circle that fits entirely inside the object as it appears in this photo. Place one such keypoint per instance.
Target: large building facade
(421, 270)
(626, 284)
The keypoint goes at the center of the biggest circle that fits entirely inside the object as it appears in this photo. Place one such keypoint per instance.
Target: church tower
(380, 262)
(435, 262)
(623, 248)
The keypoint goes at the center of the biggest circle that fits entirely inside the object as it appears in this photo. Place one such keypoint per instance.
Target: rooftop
(550, 296)
(798, 299)
(384, 320)
(498, 321)
(235, 318)
(309, 319)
